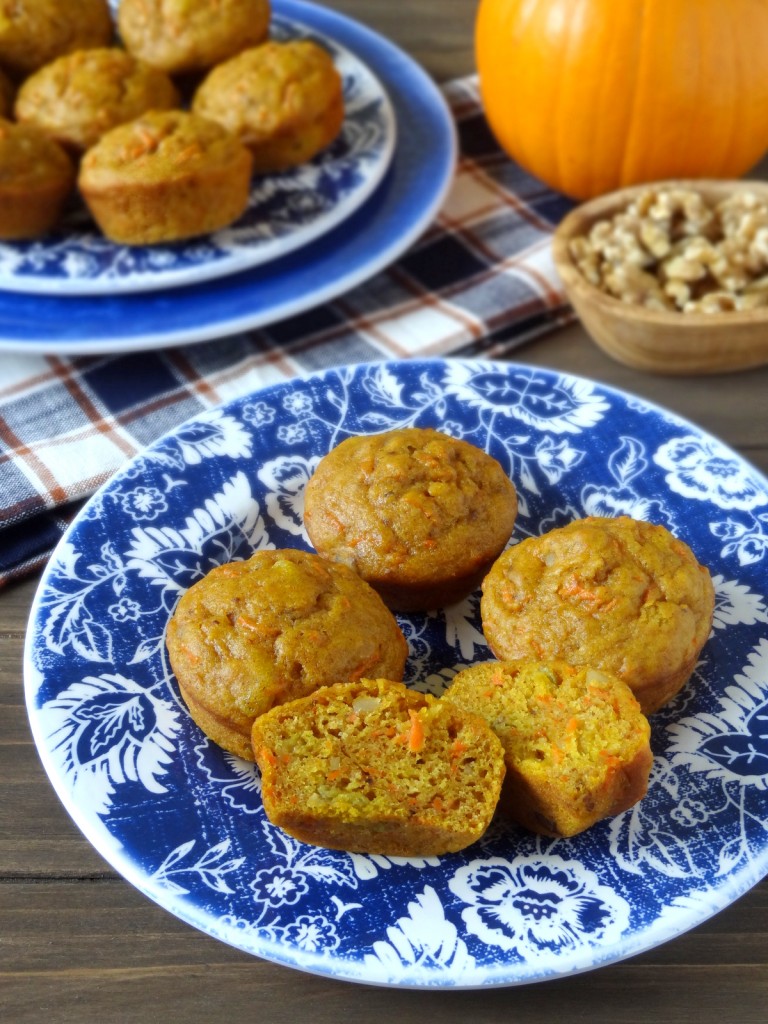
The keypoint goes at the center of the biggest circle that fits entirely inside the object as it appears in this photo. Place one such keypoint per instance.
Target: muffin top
(410, 505)
(253, 634)
(77, 98)
(191, 35)
(29, 159)
(157, 147)
(270, 89)
(619, 594)
(37, 31)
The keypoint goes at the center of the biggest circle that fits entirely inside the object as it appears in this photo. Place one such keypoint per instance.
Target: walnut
(670, 249)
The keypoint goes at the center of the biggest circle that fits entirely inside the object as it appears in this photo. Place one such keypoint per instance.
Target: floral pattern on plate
(183, 821)
(285, 211)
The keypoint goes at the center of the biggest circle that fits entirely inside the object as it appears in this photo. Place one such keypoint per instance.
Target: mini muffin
(576, 744)
(165, 176)
(7, 95)
(251, 635)
(373, 767)
(620, 595)
(35, 32)
(79, 97)
(36, 178)
(182, 36)
(283, 99)
(418, 514)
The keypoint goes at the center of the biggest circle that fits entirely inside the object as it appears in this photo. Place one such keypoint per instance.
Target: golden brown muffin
(418, 514)
(284, 100)
(576, 744)
(7, 95)
(165, 176)
(35, 32)
(251, 635)
(373, 767)
(79, 97)
(619, 595)
(36, 178)
(183, 36)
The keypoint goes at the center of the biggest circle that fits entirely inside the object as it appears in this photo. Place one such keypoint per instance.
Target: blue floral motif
(747, 539)
(702, 469)
(530, 906)
(279, 886)
(144, 503)
(312, 933)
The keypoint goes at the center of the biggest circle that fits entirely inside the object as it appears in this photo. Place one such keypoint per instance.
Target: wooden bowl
(660, 341)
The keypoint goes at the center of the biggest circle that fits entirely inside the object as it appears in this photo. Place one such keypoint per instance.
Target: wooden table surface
(77, 943)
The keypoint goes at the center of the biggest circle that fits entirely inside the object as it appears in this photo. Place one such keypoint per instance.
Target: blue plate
(285, 211)
(399, 210)
(183, 821)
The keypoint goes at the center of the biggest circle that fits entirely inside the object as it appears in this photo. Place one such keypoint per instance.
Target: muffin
(182, 36)
(35, 32)
(619, 595)
(576, 744)
(373, 767)
(251, 635)
(165, 176)
(284, 100)
(36, 178)
(419, 515)
(79, 97)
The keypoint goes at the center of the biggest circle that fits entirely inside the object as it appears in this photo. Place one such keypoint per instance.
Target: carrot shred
(416, 735)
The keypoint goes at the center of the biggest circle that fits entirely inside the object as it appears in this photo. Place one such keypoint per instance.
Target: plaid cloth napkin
(479, 282)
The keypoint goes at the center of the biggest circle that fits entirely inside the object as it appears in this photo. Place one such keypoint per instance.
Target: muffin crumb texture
(576, 744)
(374, 767)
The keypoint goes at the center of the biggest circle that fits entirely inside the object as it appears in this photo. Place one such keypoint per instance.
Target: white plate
(183, 821)
(285, 211)
(398, 211)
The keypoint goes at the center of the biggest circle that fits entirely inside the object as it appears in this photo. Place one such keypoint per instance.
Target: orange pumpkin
(592, 95)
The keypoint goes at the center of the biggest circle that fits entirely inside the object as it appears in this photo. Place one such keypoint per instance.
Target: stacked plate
(308, 234)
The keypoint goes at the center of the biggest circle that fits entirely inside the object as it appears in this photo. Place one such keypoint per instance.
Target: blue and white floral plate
(183, 821)
(394, 215)
(285, 211)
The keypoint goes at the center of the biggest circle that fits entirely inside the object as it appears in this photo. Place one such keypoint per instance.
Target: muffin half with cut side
(576, 744)
(374, 767)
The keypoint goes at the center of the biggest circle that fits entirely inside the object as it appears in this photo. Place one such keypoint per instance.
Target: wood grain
(79, 945)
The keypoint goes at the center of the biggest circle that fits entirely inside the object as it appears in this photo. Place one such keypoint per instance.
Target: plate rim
(498, 975)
